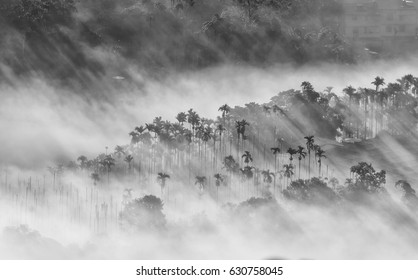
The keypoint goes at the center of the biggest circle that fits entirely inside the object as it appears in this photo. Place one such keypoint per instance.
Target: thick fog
(109, 79)
(43, 125)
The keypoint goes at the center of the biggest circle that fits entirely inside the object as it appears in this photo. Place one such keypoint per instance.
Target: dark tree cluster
(182, 35)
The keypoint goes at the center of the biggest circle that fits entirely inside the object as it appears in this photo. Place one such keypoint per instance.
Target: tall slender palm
(201, 180)
(108, 162)
(288, 172)
(193, 119)
(119, 151)
(301, 155)
(350, 91)
(162, 180)
(275, 151)
(240, 126)
(291, 153)
(247, 157)
(95, 177)
(181, 118)
(206, 136)
(219, 179)
(220, 129)
(319, 153)
(225, 109)
(365, 94)
(266, 109)
(129, 159)
(83, 161)
(267, 176)
(378, 81)
(309, 146)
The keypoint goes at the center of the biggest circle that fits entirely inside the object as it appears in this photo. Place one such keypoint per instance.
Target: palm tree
(302, 154)
(140, 129)
(291, 153)
(162, 179)
(378, 81)
(319, 153)
(288, 172)
(268, 176)
(83, 161)
(240, 126)
(201, 180)
(129, 159)
(350, 91)
(309, 146)
(220, 129)
(119, 151)
(366, 93)
(219, 179)
(266, 109)
(135, 137)
(108, 162)
(229, 164)
(206, 136)
(225, 109)
(275, 151)
(181, 118)
(247, 157)
(95, 177)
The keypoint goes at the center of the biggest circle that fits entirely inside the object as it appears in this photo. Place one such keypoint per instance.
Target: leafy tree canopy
(144, 213)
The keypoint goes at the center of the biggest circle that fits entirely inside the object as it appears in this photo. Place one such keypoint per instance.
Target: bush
(311, 191)
(144, 213)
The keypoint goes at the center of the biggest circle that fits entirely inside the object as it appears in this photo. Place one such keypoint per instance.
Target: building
(380, 20)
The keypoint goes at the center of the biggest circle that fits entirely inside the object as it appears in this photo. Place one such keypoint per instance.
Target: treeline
(59, 38)
(270, 144)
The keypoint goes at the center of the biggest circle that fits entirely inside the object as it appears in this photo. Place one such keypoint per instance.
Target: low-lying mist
(43, 122)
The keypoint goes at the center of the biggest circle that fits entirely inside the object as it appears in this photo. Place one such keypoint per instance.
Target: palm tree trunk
(309, 164)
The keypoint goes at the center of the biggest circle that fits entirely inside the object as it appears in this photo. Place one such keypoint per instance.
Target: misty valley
(249, 183)
(206, 130)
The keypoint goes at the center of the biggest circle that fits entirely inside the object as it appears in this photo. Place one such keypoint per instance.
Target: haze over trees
(162, 35)
(284, 175)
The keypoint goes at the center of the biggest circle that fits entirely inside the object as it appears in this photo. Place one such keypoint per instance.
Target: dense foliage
(143, 213)
(155, 36)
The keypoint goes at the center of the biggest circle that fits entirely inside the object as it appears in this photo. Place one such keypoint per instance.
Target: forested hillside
(69, 39)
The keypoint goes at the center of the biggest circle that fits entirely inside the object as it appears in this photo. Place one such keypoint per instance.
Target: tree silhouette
(267, 176)
(288, 172)
(95, 177)
(276, 151)
(409, 196)
(119, 151)
(181, 118)
(201, 180)
(108, 162)
(247, 157)
(366, 178)
(83, 162)
(301, 155)
(319, 153)
(309, 146)
(143, 214)
(129, 159)
(162, 179)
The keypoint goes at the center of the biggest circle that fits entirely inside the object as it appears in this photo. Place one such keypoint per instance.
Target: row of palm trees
(195, 147)
(373, 110)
